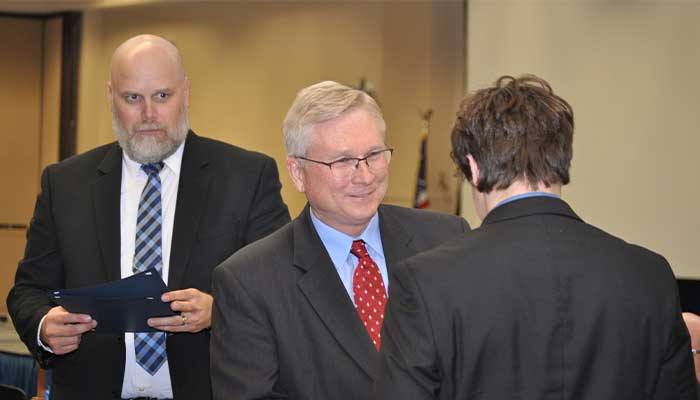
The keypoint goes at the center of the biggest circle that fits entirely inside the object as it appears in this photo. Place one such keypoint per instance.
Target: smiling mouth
(361, 195)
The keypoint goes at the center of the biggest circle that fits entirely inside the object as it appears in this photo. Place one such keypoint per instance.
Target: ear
(109, 93)
(475, 170)
(296, 172)
(186, 92)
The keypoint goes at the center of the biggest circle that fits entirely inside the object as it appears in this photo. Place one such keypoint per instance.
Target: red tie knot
(358, 249)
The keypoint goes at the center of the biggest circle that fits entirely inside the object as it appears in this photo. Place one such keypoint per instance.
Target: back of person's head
(517, 129)
(319, 103)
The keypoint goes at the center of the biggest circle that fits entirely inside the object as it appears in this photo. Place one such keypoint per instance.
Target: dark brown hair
(517, 129)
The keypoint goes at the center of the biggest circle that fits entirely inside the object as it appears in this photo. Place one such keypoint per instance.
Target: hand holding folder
(119, 306)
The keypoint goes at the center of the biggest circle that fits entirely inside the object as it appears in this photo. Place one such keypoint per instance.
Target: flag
(421, 199)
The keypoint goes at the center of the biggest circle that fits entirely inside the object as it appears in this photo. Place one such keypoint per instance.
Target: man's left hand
(195, 311)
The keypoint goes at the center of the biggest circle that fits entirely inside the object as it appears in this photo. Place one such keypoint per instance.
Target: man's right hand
(61, 330)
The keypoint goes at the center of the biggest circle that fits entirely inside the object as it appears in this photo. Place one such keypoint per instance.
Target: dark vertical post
(72, 31)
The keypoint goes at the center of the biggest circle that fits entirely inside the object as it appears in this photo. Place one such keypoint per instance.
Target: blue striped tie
(150, 346)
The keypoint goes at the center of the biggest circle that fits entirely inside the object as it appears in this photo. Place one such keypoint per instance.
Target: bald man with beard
(206, 199)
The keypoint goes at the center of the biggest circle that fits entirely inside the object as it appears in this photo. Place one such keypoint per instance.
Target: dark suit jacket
(535, 304)
(284, 326)
(227, 197)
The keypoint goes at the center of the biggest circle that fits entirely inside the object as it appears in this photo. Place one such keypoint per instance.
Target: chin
(148, 150)
(363, 214)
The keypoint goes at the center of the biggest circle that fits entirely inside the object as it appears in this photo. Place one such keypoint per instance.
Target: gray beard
(148, 150)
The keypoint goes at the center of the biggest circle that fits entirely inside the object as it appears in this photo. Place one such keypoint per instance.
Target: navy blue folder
(119, 306)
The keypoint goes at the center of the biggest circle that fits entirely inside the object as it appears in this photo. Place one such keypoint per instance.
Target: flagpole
(421, 198)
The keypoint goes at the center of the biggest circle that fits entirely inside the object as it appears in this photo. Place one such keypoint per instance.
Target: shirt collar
(526, 195)
(338, 243)
(173, 162)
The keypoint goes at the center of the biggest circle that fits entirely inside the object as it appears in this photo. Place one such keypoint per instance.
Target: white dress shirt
(138, 382)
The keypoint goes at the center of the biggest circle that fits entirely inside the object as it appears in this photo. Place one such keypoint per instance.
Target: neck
(490, 200)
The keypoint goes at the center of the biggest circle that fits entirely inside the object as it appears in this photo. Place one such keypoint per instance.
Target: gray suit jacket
(283, 324)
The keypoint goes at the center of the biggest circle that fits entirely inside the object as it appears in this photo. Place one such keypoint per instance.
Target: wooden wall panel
(21, 80)
(20, 113)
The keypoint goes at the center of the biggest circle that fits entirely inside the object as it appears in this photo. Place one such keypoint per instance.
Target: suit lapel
(325, 292)
(106, 192)
(397, 242)
(191, 199)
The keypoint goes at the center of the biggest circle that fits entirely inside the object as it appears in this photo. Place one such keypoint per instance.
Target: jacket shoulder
(222, 150)
(88, 160)
(266, 253)
(413, 216)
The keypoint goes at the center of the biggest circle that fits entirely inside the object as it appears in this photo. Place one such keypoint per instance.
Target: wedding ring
(184, 319)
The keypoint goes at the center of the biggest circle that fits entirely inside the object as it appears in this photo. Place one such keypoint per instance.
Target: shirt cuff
(38, 337)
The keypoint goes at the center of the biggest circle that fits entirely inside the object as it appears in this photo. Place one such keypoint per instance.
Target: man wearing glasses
(298, 315)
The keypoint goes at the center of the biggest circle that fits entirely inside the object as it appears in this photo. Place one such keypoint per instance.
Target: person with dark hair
(535, 303)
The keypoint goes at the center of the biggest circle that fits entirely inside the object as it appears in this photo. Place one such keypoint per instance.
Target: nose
(148, 111)
(362, 173)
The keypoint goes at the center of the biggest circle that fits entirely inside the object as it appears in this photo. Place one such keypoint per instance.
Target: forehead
(146, 68)
(353, 133)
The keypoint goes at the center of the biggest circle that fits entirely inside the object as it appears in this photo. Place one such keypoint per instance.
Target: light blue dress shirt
(526, 195)
(338, 245)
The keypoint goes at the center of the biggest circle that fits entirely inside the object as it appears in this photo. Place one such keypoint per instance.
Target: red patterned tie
(370, 295)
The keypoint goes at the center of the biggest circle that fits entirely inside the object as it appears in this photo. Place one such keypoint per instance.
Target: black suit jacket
(284, 325)
(535, 304)
(227, 197)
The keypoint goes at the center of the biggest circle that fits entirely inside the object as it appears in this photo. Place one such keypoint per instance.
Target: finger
(161, 322)
(64, 344)
(61, 342)
(183, 295)
(175, 328)
(184, 306)
(60, 315)
(70, 318)
(68, 330)
(64, 350)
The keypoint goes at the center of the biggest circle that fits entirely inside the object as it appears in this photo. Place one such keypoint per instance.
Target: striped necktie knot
(153, 168)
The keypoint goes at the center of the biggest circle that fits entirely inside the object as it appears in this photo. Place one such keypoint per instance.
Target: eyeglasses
(377, 161)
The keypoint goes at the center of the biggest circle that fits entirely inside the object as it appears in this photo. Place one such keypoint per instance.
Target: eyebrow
(160, 90)
(344, 154)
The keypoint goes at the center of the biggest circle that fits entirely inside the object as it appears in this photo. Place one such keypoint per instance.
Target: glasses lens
(379, 160)
(343, 168)
(376, 162)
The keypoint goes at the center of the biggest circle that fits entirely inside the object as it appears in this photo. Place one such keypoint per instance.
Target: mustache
(148, 127)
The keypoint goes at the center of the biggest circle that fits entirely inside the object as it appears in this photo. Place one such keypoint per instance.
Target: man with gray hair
(162, 198)
(298, 314)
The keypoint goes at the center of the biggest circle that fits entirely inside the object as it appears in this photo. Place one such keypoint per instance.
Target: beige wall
(20, 111)
(247, 60)
(29, 109)
(629, 69)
